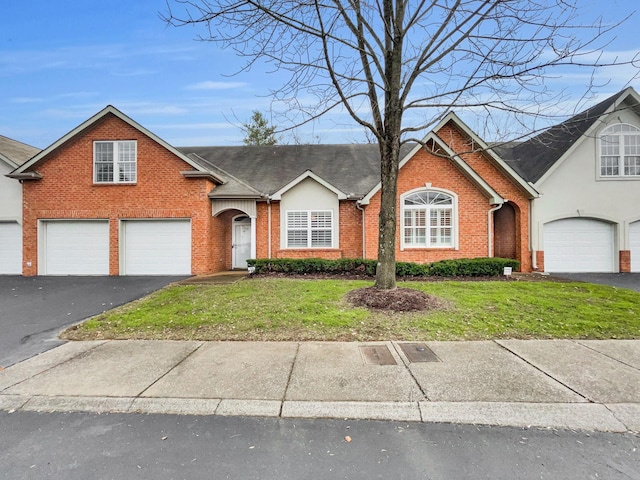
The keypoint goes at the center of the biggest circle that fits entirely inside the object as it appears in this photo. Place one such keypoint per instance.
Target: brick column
(625, 261)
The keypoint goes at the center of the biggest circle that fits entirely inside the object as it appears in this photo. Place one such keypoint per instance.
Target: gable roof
(493, 156)
(15, 153)
(533, 158)
(351, 169)
(26, 171)
(494, 197)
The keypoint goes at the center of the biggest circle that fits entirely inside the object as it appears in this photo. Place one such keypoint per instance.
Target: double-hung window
(114, 161)
(428, 219)
(309, 229)
(620, 151)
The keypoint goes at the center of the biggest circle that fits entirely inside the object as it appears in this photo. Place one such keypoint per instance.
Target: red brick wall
(67, 191)
(539, 261)
(473, 206)
(625, 261)
(502, 184)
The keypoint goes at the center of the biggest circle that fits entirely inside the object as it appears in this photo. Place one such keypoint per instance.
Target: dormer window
(114, 161)
(620, 151)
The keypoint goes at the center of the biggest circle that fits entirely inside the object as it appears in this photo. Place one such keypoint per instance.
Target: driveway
(621, 280)
(33, 310)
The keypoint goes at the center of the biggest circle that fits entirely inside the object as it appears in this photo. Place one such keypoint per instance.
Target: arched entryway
(505, 238)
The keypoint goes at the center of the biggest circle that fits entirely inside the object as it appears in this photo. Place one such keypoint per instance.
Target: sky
(62, 61)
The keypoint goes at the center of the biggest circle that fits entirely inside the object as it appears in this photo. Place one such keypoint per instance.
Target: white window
(310, 229)
(114, 162)
(428, 219)
(620, 151)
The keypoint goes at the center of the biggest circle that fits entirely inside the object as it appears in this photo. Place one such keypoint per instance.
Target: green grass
(288, 309)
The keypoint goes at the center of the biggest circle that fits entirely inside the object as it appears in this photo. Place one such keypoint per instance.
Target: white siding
(575, 189)
(309, 195)
(634, 246)
(10, 248)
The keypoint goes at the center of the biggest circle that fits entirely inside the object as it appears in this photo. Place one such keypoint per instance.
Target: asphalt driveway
(33, 310)
(621, 280)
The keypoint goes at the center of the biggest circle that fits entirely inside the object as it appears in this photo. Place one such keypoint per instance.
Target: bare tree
(392, 63)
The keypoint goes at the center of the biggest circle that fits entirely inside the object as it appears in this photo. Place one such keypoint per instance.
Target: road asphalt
(563, 384)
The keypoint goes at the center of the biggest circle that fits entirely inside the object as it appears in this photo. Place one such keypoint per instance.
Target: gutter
(269, 227)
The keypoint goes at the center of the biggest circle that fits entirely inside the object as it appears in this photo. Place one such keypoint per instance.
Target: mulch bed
(395, 300)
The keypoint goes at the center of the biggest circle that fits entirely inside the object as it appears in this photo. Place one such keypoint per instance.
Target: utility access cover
(377, 355)
(418, 352)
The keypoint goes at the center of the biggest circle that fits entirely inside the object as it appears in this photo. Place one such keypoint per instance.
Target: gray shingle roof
(532, 159)
(15, 151)
(353, 169)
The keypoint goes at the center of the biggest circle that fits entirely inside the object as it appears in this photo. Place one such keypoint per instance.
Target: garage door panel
(156, 247)
(10, 248)
(634, 246)
(75, 248)
(578, 245)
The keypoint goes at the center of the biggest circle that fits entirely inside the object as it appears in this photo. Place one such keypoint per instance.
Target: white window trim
(454, 221)
(621, 175)
(116, 162)
(309, 230)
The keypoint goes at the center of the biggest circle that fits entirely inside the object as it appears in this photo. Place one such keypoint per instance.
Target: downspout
(534, 253)
(490, 230)
(364, 231)
(269, 227)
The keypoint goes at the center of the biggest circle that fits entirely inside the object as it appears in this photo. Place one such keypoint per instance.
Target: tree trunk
(386, 269)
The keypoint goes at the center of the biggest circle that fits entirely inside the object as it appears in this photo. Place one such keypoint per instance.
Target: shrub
(465, 267)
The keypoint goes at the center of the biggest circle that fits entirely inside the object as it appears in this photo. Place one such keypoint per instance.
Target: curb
(613, 418)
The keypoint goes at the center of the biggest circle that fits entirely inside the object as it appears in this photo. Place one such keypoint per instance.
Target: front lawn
(292, 309)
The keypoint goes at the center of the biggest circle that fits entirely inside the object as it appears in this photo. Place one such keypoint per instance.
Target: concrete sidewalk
(586, 385)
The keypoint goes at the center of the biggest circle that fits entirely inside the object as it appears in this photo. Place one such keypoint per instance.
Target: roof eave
(24, 175)
(200, 174)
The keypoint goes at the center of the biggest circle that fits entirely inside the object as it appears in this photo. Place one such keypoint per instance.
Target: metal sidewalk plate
(418, 352)
(377, 355)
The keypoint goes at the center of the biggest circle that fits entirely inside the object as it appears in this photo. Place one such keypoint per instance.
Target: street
(115, 446)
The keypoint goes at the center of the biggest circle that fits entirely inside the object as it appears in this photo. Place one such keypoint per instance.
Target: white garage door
(74, 247)
(634, 246)
(10, 248)
(155, 247)
(578, 245)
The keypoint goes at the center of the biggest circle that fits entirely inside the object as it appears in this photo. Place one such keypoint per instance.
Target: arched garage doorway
(578, 245)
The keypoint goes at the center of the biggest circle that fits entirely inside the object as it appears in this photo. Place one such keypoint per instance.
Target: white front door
(241, 241)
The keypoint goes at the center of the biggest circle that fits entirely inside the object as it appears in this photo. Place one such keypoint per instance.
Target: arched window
(428, 219)
(620, 151)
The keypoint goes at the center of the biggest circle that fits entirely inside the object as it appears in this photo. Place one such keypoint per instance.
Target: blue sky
(61, 61)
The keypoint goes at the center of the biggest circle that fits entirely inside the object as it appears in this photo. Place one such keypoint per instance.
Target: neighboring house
(110, 197)
(587, 170)
(12, 154)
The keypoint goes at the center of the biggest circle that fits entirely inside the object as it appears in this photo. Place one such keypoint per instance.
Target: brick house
(110, 197)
